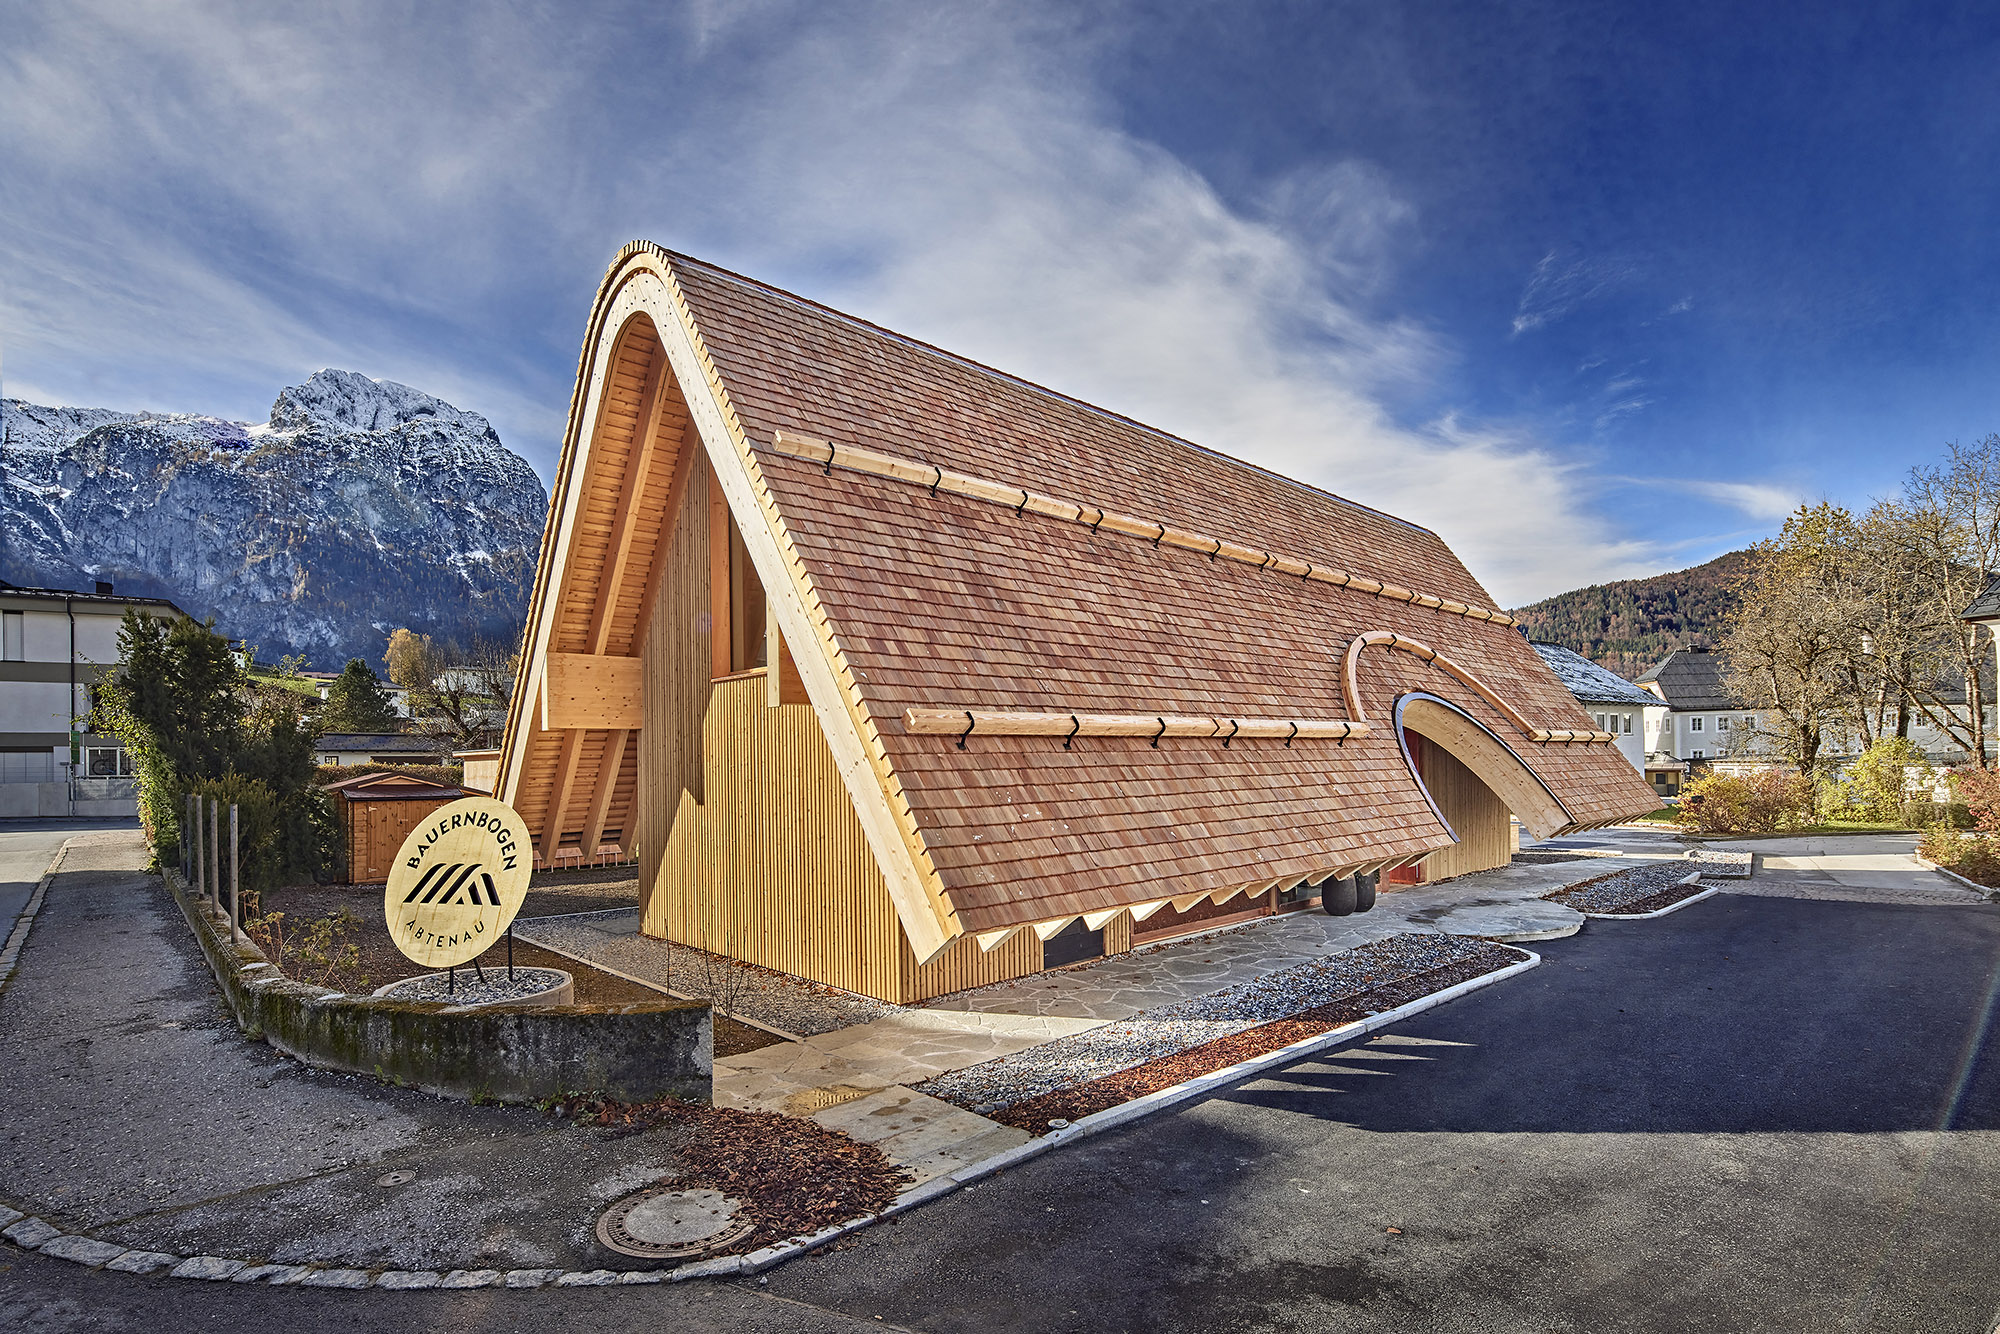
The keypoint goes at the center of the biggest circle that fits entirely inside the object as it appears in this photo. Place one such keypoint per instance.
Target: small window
(1628, 724)
(1722, 723)
(1694, 724)
(106, 762)
(1697, 754)
(13, 636)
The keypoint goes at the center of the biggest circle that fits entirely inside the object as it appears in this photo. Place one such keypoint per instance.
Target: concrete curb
(34, 1234)
(1660, 912)
(10, 953)
(1992, 895)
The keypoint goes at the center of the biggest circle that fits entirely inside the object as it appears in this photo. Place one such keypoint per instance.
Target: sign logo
(458, 881)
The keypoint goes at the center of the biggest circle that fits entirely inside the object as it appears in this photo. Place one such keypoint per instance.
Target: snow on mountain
(361, 506)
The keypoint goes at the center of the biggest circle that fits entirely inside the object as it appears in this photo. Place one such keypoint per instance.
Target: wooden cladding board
(1476, 813)
(375, 833)
(588, 690)
(772, 866)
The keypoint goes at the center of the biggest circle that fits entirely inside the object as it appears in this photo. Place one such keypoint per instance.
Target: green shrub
(1766, 801)
(1879, 781)
(1921, 813)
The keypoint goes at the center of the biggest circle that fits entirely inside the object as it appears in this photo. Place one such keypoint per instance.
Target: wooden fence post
(215, 845)
(235, 932)
(199, 884)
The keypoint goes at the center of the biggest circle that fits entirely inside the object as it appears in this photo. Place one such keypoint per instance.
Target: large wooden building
(905, 675)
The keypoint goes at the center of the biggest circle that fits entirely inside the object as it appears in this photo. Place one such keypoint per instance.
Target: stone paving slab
(927, 1136)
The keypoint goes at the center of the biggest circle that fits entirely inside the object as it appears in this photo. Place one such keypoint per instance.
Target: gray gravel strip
(790, 1004)
(1169, 1029)
(1612, 893)
(1715, 863)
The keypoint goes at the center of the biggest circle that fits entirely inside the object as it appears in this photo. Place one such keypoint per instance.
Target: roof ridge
(653, 247)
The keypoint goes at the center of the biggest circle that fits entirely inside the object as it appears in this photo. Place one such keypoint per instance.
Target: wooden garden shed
(377, 811)
(906, 675)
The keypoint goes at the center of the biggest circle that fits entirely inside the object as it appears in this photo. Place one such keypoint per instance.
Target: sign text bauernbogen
(458, 882)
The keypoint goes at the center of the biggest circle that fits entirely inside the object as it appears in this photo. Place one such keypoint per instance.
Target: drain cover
(667, 1224)
(398, 1178)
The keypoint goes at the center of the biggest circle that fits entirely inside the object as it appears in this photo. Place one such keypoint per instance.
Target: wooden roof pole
(975, 723)
(934, 478)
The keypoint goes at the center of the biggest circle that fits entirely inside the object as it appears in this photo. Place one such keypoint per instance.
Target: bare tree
(1947, 527)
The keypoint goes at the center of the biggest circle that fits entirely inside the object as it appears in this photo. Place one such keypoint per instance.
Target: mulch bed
(1071, 1104)
(382, 963)
(793, 1176)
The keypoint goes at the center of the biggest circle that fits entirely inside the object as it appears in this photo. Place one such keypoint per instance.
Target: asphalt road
(1757, 1114)
(26, 849)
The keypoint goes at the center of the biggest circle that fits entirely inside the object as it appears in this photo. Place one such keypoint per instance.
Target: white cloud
(1558, 286)
(1755, 500)
(292, 188)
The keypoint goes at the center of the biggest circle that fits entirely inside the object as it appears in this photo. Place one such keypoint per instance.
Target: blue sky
(1595, 291)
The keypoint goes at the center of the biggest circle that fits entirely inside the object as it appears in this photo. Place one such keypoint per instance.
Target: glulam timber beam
(1351, 684)
(591, 692)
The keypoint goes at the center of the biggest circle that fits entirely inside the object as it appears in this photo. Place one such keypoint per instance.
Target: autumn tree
(458, 695)
(1792, 642)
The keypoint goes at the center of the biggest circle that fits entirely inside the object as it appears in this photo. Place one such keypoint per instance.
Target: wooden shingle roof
(1137, 576)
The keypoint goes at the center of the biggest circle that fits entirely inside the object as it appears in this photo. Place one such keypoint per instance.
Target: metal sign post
(235, 930)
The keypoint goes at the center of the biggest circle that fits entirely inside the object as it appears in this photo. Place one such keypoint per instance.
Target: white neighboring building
(1614, 704)
(1702, 723)
(55, 645)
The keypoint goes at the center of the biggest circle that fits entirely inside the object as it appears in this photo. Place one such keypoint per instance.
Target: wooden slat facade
(1476, 814)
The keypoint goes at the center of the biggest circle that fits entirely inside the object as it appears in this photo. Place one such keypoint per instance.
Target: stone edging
(33, 1234)
(10, 953)
(1992, 895)
(1660, 912)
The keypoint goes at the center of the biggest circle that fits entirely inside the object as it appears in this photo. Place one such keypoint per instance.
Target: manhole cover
(666, 1224)
(396, 1179)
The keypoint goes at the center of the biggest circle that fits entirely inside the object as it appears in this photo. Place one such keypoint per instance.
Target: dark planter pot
(1338, 897)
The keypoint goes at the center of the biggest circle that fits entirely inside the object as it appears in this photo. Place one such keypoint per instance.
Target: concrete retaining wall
(519, 1054)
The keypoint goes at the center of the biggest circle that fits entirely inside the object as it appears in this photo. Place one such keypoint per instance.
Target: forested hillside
(1630, 625)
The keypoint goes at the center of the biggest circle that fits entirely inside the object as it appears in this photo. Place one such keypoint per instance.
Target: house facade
(55, 645)
(905, 675)
(1615, 704)
(345, 748)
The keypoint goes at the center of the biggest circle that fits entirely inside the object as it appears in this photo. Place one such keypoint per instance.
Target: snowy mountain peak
(347, 401)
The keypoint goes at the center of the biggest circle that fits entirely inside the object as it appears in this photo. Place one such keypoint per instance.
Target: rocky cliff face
(360, 506)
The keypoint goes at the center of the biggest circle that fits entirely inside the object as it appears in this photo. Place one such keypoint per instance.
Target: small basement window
(107, 762)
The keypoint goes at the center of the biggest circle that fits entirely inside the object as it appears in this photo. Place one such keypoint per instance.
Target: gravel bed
(1716, 864)
(469, 990)
(1623, 891)
(1037, 1114)
(1170, 1029)
(763, 995)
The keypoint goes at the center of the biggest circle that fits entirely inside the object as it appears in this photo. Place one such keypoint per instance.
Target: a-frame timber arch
(903, 674)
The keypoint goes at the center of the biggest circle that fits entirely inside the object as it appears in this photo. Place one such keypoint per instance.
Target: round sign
(458, 881)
